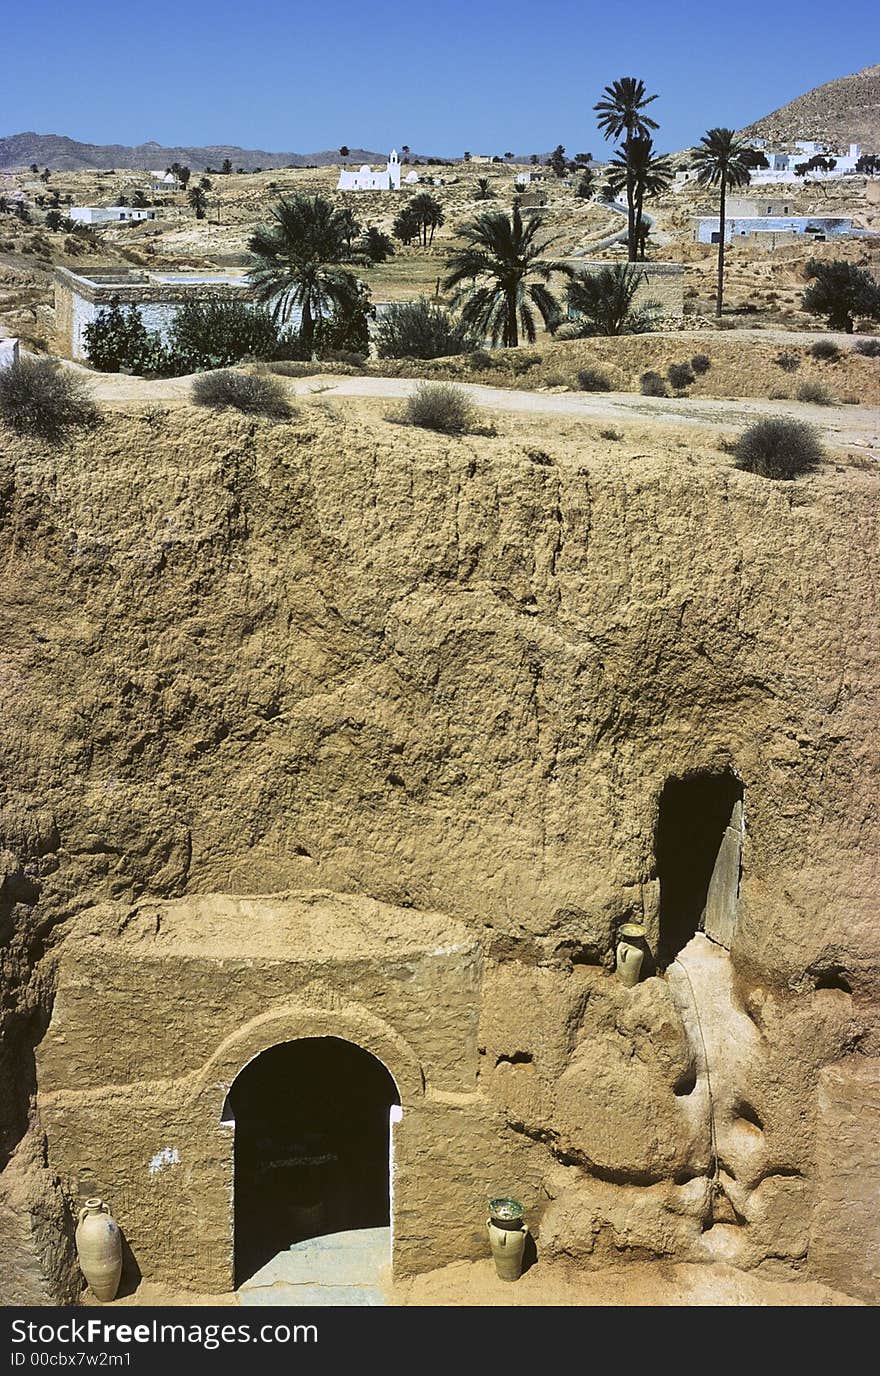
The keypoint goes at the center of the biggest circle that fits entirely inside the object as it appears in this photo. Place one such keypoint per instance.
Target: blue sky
(441, 77)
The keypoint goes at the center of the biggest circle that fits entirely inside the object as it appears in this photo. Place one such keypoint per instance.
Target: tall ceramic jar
(507, 1237)
(630, 953)
(99, 1249)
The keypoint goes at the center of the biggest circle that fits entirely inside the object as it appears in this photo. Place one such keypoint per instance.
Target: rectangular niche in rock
(699, 848)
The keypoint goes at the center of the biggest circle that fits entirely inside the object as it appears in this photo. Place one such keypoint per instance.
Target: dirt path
(841, 427)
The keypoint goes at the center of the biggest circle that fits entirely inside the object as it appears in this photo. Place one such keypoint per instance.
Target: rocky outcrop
(455, 675)
(838, 113)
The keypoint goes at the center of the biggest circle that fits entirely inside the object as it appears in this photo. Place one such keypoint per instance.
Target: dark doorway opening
(312, 1146)
(698, 857)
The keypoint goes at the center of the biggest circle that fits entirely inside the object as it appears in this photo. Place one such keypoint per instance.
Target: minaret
(394, 171)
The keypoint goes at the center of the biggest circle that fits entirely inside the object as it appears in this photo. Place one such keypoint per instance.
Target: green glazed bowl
(506, 1211)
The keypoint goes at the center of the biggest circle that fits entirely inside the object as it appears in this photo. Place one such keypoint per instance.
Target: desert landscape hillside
(838, 113)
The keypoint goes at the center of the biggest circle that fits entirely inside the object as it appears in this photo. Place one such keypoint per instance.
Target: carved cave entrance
(699, 845)
(312, 1146)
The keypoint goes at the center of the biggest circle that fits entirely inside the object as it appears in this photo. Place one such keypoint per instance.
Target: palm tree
(636, 164)
(299, 261)
(198, 200)
(350, 227)
(484, 191)
(374, 246)
(429, 212)
(604, 300)
(620, 112)
(721, 160)
(499, 273)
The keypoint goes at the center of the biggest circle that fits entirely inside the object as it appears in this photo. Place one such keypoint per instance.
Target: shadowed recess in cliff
(698, 840)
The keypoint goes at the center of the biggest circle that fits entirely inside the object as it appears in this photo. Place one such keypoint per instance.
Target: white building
(80, 298)
(108, 214)
(164, 181)
(767, 227)
(367, 180)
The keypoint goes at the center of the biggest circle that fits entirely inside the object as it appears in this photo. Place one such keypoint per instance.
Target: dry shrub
(868, 348)
(652, 385)
(38, 397)
(680, 376)
(779, 449)
(825, 349)
(257, 395)
(788, 361)
(593, 380)
(701, 363)
(815, 392)
(440, 406)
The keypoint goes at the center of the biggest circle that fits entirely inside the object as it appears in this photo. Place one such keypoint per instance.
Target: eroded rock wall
(455, 675)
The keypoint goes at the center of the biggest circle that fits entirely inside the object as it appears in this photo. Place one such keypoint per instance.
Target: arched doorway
(312, 1146)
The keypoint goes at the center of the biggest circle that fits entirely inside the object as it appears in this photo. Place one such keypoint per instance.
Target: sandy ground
(475, 1284)
(841, 427)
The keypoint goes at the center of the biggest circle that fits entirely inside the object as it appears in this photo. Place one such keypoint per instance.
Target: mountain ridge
(64, 154)
(839, 112)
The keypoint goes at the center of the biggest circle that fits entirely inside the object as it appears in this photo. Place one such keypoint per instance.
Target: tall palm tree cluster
(635, 167)
(500, 270)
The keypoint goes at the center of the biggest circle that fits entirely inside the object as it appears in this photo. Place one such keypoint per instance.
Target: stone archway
(313, 1148)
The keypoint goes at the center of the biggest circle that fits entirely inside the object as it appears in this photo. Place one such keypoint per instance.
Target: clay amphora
(99, 1249)
(507, 1248)
(630, 953)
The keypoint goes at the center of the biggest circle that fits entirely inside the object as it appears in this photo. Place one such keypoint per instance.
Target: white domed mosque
(365, 179)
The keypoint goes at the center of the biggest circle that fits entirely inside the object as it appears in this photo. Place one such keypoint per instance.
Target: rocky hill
(62, 154)
(839, 113)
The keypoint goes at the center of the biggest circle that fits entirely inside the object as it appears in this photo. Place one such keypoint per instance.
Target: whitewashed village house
(108, 214)
(782, 164)
(365, 179)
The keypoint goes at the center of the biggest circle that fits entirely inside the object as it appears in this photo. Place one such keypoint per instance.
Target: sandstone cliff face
(455, 675)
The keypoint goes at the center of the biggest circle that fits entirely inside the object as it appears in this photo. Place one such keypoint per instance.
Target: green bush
(259, 395)
(778, 449)
(841, 292)
(816, 393)
(420, 329)
(825, 349)
(868, 348)
(701, 363)
(652, 385)
(593, 380)
(347, 327)
(39, 397)
(216, 333)
(440, 406)
(119, 338)
(680, 376)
